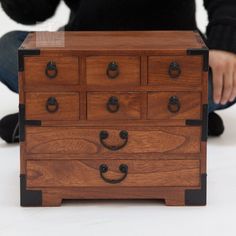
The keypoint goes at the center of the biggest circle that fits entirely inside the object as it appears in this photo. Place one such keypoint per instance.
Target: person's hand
(223, 66)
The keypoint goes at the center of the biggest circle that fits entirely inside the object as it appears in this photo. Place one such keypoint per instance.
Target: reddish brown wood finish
(190, 105)
(128, 106)
(158, 70)
(68, 106)
(35, 71)
(78, 141)
(96, 71)
(164, 155)
(85, 173)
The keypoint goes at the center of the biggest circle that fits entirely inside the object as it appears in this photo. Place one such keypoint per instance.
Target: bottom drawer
(100, 173)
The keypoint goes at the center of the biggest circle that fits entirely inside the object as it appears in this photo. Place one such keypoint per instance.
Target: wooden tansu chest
(113, 115)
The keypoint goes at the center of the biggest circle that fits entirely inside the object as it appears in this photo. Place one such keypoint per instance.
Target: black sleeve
(29, 12)
(221, 30)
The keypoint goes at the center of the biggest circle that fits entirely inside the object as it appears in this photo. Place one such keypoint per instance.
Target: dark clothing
(135, 15)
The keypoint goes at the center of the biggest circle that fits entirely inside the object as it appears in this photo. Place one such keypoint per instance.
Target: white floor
(126, 218)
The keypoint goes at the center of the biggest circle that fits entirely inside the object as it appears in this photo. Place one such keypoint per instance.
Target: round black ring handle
(52, 105)
(113, 104)
(123, 168)
(113, 70)
(174, 70)
(174, 104)
(51, 70)
(123, 135)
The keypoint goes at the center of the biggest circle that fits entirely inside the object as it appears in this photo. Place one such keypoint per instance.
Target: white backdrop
(126, 218)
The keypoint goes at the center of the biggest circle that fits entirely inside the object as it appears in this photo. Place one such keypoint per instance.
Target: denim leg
(9, 44)
(211, 105)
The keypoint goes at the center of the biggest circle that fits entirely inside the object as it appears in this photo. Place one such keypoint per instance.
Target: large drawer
(52, 106)
(114, 106)
(99, 141)
(102, 173)
(113, 70)
(51, 70)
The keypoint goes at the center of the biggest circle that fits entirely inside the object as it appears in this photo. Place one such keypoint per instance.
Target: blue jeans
(9, 44)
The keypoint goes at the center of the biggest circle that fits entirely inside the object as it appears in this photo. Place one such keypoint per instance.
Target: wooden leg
(175, 200)
(51, 199)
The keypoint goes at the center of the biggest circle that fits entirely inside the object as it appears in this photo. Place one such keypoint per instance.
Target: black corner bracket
(25, 52)
(29, 197)
(203, 122)
(197, 197)
(200, 51)
(23, 122)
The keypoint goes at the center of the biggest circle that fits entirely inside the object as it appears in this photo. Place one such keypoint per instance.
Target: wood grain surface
(130, 106)
(68, 70)
(85, 173)
(72, 140)
(96, 70)
(68, 106)
(190, 105)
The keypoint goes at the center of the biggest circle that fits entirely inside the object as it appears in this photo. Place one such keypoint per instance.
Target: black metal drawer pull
(123, 135)
(51, 70)
(104, 168)
(113, 104)
(113, 70)
(174, 104)
(52, 105)
(174, 70)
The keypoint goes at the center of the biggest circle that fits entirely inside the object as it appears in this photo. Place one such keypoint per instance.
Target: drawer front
(52, 106)
(174, 105)
(99, 141)
(179, 71)
(51, 70)
(102, 173)
(112, 70)
(113, 106)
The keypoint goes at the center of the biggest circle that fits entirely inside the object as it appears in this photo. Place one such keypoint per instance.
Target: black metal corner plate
(197, 197)
(200, 51)
(25, 52)
(203, 122)
(23, 122)
(29, 197)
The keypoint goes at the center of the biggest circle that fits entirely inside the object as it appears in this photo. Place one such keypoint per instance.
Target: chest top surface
(114, 41)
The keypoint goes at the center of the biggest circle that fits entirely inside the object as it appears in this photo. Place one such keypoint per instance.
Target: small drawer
(95, 142)
(112, 106)
(111, 173)
(52, 106)
(51, 70)
(174, 105)
(112, 70)
(180, 71)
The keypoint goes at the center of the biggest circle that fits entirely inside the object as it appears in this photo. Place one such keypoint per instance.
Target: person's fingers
(233, 94)
(217, 83)
(227, 85)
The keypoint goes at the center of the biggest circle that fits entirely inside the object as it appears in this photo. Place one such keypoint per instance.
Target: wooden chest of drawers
(113, 115)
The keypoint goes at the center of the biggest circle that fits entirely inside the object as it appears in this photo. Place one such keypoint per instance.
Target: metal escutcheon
(113, 70)
(174, 104)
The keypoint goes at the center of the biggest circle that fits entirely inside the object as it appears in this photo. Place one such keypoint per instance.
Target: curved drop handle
(123, 135)
(113, 104)
(113, 70)
(174, 70)
(51, 70)
(104, 168)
